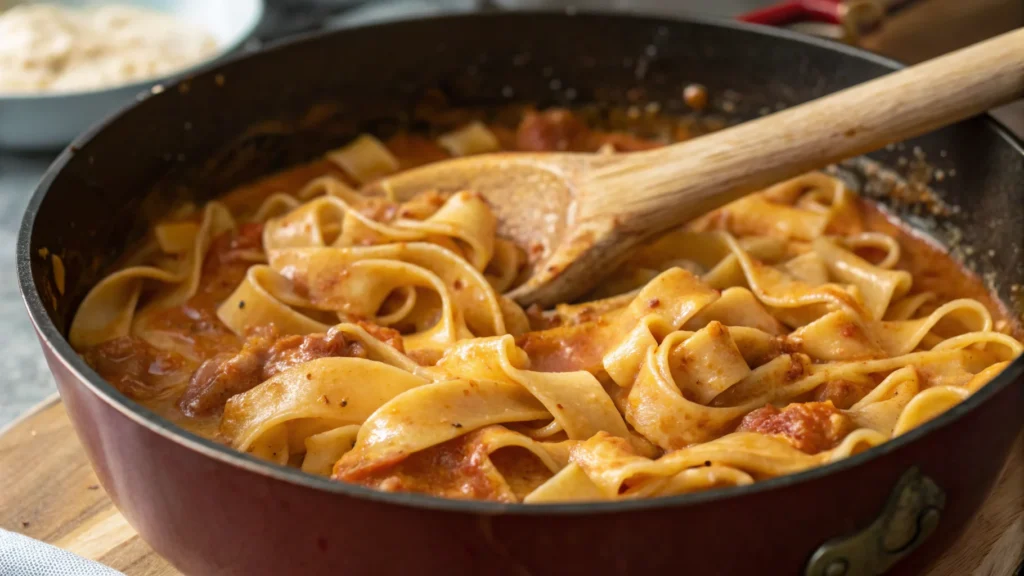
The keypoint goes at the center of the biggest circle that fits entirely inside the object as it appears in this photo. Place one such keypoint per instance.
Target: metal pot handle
(909, 517)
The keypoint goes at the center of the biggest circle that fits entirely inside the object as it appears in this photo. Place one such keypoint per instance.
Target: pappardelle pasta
(368, 338)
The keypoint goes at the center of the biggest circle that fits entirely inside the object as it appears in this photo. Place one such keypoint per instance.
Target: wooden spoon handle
(650, 191)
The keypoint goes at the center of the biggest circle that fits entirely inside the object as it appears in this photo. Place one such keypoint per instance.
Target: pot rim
(52, 337)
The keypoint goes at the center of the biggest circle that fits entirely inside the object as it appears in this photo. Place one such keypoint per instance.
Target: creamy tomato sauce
(191, 389)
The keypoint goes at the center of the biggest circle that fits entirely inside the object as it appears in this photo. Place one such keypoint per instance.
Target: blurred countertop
(24, 378)
(923, 29)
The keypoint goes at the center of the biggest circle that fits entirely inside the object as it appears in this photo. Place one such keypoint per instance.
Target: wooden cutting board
(48, 491)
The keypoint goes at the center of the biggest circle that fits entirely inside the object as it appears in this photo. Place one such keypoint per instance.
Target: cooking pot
(211, 510)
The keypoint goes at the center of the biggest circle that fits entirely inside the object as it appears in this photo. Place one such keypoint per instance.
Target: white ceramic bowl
(47, 121)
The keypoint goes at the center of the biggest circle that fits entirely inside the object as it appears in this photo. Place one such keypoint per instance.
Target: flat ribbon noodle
(319, 269)
(323, 450)
(364, 159)
(326, 393)
(337, 220)
(576, 400)
(900, 337)
(464, 217)
(109, 309)
(265, 297)
(877, 285)
(612, 465)
(432, 414)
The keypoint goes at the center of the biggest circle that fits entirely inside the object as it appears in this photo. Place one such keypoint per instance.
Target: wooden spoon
(578, 215)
